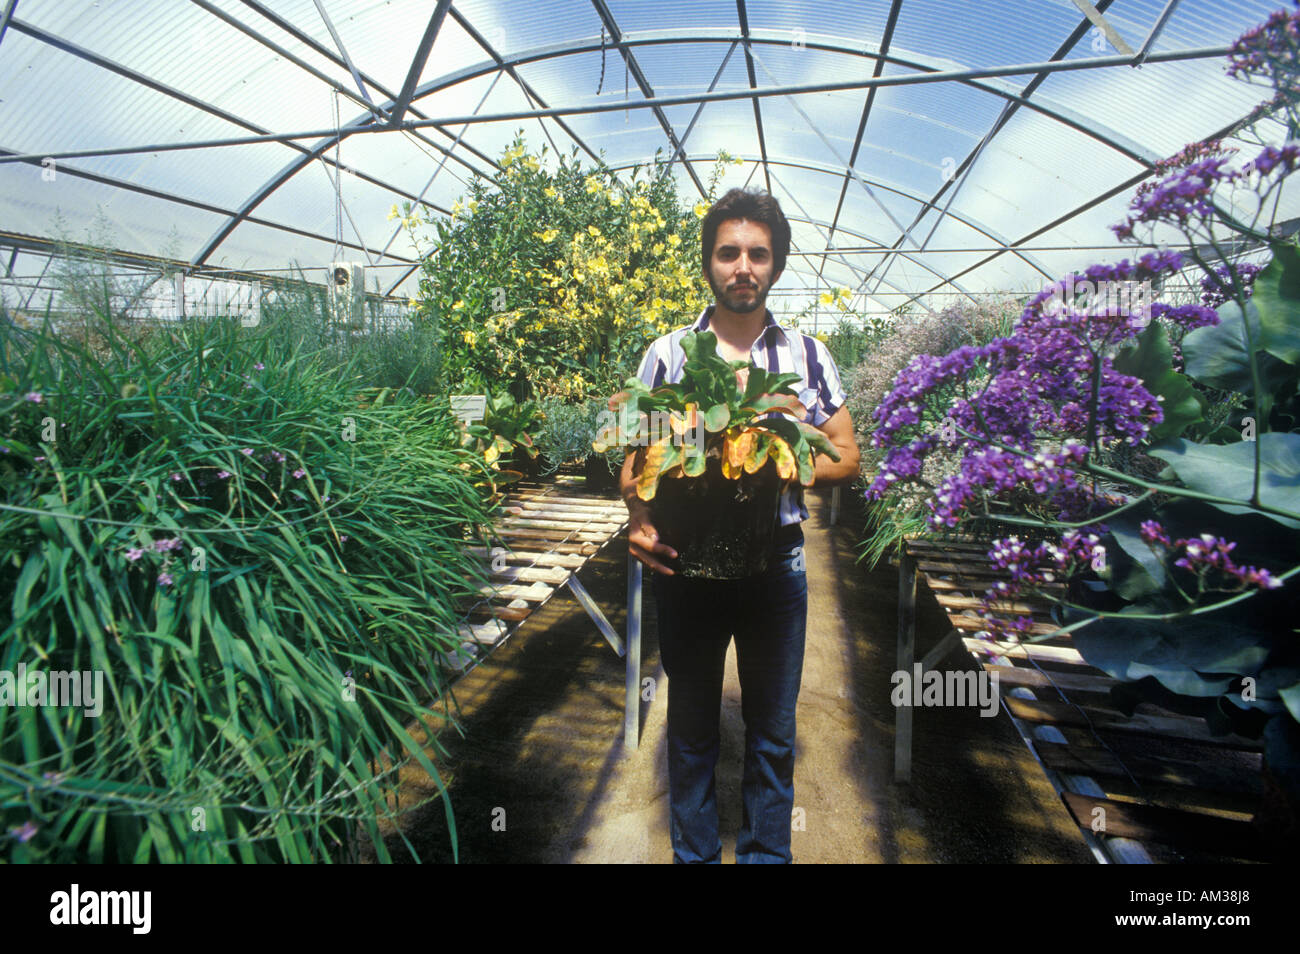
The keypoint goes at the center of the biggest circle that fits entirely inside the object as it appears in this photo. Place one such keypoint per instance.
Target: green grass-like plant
(262, 568)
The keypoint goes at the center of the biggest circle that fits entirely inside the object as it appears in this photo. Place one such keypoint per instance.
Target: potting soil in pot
(721, 529)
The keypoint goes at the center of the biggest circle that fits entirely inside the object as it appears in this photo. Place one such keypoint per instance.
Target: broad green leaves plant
(710, 413)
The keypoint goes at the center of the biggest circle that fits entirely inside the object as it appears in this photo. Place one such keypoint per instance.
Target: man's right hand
(643, 543)
(642, 538)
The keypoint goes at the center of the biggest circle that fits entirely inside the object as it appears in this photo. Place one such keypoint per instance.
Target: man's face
(740, 272)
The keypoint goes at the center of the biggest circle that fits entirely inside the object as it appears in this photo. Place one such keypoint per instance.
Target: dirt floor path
(542, 776)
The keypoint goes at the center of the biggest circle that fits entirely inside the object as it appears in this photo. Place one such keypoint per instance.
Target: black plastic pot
(721, 529)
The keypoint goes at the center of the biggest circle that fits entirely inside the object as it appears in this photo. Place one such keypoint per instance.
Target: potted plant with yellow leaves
(720, 446)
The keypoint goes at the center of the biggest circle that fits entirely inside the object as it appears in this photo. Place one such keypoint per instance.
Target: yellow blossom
(549, 192)
(393, 213)
(615, 200)
(458, 306)
(593, 231)
(469, 336)
(825, 298)
(657, 249)
(701, 210)
(412, 303)
(674, 241)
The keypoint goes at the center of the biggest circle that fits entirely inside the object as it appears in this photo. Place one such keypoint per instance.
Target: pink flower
(134, 554)
(164, 579)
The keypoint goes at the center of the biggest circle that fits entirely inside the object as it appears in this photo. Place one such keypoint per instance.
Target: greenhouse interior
(406, 404)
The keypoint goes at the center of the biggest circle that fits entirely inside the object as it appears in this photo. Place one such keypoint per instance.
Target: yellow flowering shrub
(551, 280)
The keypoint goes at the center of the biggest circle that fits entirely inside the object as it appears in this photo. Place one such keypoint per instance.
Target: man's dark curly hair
(756, 206)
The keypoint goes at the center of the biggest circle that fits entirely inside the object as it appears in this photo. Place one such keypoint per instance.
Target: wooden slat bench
(546, 533)
(1155, 778)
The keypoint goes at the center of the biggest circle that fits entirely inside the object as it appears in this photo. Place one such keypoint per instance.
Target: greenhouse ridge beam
(602, 10)
(753, 84)
(418, 61)
(523, 84)
(895, 8)
(333, 57)
(330, 138)
(1119, 143)
(678, 152)
(1008, 110)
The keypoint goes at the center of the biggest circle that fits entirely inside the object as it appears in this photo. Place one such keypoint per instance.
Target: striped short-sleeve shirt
(776, 350)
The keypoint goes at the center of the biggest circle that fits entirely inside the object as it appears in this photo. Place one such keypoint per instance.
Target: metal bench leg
(632, 702)
(906, 657)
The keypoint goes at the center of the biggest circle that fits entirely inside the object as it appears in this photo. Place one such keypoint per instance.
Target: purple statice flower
(343, 538)
(1217, 288)
(993, 471)
(134, 554)
(1269, 49)
(1183, 195)
(275, 455)
(223, 474)
(165, 579)
(1208, 552)
(33, 396)
(259, 366)
(1186, 317)
(300, 473)
(25, 832)
(162, 546)
(177, 477)
(1274, 157)
(246, 451)
(38, 458)
(1152, 533)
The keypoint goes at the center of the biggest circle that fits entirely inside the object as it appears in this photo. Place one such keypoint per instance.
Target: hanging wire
(601, 84)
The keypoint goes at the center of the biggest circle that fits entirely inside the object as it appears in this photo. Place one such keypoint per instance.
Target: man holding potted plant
(777, 372)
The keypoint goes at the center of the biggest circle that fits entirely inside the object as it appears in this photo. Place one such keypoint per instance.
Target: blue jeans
(767, 614)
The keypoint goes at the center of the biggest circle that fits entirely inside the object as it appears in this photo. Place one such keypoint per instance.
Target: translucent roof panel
(208, 133)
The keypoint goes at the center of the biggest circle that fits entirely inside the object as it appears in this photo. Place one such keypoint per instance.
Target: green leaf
(1137, 570)
(1277, 298)
(1227, 470)
(716, 418)
(1152, 363)
(1216, 356)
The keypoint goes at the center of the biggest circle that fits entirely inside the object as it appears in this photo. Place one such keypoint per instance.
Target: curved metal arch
(917, 62)
(1110, 138)
(827, 169)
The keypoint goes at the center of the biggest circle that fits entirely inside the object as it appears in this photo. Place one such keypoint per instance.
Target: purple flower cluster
(1040, 383)
(993, 471)
(1217, 288)
(1270, 49)
(1027, 565)
(1186, 317)
(1184, 194)
(1208, 552)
